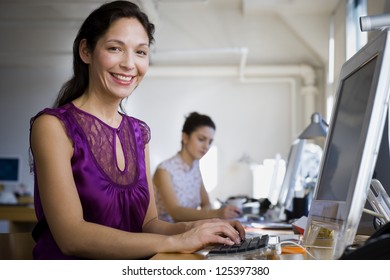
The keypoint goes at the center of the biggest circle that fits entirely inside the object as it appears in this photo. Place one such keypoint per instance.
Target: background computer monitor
(300, 177)
(287, 190)
(351, 147)
(9, 170)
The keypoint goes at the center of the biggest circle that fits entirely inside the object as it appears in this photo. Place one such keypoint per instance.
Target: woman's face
(198, 142)
(120, 59)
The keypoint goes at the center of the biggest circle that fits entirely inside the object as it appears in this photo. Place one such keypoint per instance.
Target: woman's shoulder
(53, 119)
(136, 120)
(44, 123)
(170, 163)
(50, 126)
(56, 112)
(46, 116)
(144, 127)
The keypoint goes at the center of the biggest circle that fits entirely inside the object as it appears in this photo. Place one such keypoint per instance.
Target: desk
(21, 217)
(264, 254)
(16, 246)
(321, 252)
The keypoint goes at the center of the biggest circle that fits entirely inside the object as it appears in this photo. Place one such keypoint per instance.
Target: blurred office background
(259, 68)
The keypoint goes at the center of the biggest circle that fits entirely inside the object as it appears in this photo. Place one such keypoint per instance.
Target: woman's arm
(189, 233)
(52, 151)
(162, 180)
(151, 222)
(225, 212)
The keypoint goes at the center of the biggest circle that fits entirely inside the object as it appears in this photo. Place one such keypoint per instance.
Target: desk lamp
(317, 128)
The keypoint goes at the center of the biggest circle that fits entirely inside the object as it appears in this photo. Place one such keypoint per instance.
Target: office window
(268, 178)
(355, 38)
(209, 168)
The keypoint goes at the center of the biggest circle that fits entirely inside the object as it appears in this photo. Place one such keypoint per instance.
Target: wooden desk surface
(16, 246)
(321, 251)
(269, 256)
(18, 213)
(319, 254)
(259, 254)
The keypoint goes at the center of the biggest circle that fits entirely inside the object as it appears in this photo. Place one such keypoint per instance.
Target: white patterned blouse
(187, 182)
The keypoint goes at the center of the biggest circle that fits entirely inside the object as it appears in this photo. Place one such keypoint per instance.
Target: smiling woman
(93, 191)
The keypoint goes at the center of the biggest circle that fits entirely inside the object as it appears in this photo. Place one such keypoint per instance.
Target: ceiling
(63, 9)
(187, 31)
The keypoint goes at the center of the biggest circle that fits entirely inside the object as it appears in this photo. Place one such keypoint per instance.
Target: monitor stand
(324, 235)
(330, 234)
(379, 201)
(381, 173)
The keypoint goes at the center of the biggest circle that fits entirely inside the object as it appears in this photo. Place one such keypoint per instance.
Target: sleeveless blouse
(109, 196)
(186, 181)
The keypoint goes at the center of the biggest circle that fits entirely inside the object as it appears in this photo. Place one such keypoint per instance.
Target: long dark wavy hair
(94, 27)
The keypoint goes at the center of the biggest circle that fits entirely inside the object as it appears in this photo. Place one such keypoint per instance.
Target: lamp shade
(317, 128)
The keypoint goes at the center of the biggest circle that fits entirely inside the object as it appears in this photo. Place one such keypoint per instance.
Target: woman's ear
(184, 138)
(84, 52)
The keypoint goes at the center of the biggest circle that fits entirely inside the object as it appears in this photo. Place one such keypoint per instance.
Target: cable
(373, 213)
(278, 248)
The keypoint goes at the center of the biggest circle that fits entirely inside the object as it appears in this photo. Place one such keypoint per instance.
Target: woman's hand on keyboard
(230, 212)
(206, 232)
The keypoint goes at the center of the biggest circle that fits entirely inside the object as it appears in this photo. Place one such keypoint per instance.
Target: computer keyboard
(249, 244)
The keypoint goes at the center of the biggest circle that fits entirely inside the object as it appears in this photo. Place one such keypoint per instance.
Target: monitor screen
(343, 154)
(301, 173)
(287, 191)
(9, 170)
(352, 145)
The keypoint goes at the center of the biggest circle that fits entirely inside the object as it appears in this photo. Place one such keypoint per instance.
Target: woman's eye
(143, 53)
(115, 49)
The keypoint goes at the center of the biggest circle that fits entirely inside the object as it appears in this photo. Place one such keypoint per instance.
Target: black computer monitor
(352, 145)
(9, 170)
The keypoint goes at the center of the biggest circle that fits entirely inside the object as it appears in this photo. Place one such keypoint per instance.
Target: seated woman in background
(180, 192)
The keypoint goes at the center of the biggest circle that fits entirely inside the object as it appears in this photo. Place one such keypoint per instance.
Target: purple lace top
(109, 196)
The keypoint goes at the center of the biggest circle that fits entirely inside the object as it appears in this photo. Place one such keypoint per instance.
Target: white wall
(251, 118)
(23, 92)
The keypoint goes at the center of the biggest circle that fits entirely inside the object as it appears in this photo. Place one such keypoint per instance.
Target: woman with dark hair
(93, 192)
(180, 192)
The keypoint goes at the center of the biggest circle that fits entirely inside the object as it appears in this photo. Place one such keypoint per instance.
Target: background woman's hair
(195, 120)
(93, 28)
